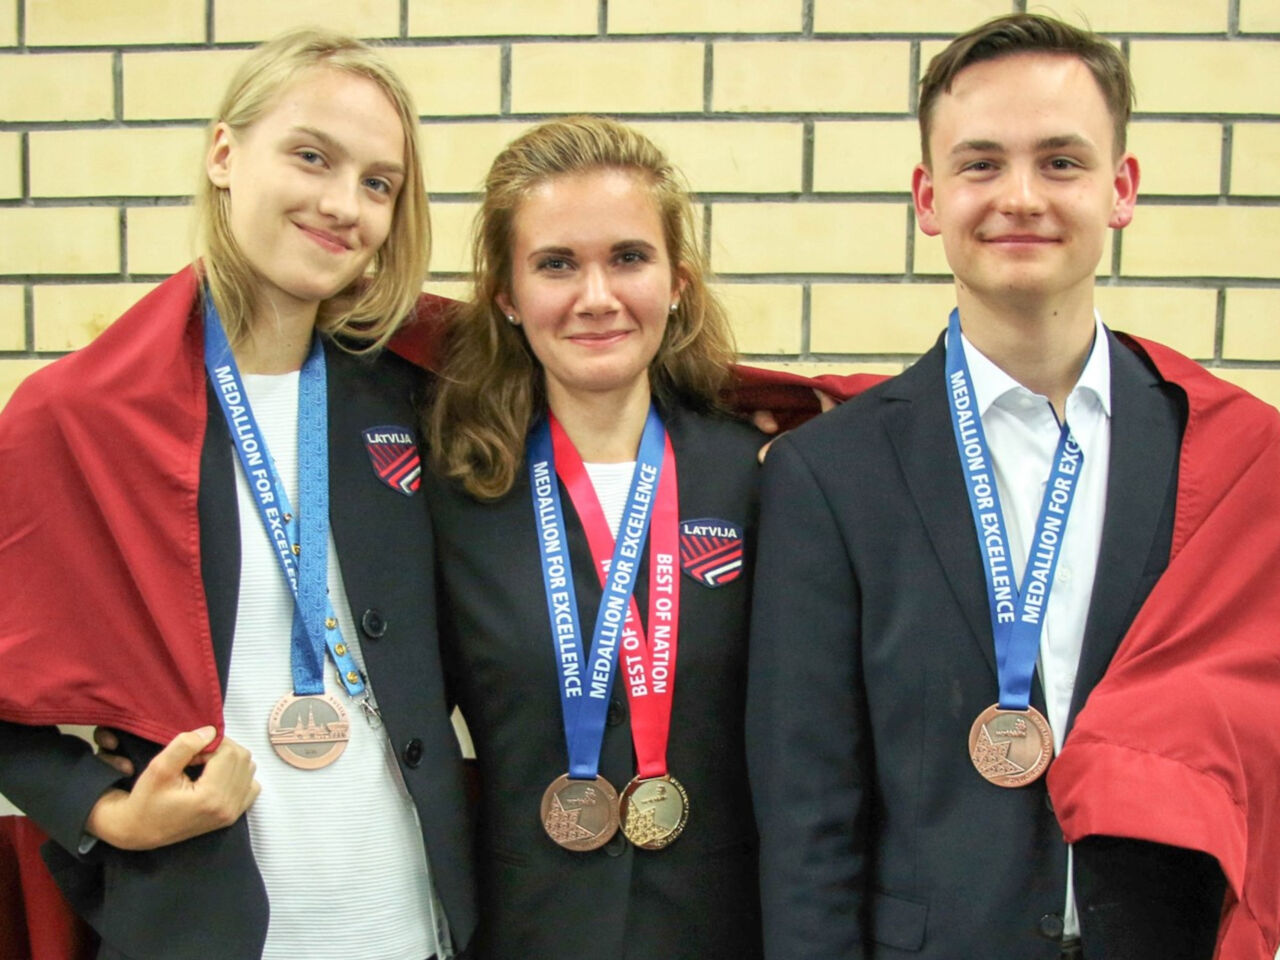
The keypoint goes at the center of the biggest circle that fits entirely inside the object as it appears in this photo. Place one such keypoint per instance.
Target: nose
(596, 297)
(1020, 192)
(340, 199)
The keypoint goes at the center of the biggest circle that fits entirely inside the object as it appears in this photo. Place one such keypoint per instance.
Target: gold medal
(1010, 748)
(308, 731)
(654, 811)
(580, 814)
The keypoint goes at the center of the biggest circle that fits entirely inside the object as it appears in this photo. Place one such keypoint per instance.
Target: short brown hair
(492, 386)
(1029, 33)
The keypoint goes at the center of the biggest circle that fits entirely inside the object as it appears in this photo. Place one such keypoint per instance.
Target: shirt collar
(990, 383)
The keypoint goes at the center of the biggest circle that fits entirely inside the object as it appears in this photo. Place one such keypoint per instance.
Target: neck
(606, 427)
(1043, 347)
(278, 340)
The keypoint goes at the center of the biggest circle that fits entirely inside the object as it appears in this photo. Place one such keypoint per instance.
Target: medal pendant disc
(580, 814)
(1010, 748)
(654, 811)
(308, 731)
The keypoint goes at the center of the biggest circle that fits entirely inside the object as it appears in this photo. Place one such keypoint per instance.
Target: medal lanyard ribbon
(585, 685)
(648, 662)
(300, 539)
(1017, 616)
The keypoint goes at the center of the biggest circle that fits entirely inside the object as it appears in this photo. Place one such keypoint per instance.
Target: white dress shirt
(1022, 433)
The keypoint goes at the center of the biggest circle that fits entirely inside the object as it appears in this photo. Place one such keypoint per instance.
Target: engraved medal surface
(1010, 748)
(654, 811)
(580, 814)
(308, 731)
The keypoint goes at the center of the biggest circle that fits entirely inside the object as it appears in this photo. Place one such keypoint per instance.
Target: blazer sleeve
(808, 742)
(54, 778)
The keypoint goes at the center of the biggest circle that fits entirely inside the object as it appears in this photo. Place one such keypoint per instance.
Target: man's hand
(166, 806)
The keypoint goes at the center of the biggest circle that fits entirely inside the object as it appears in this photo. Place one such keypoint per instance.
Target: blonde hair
(492, 388)
(370, 309)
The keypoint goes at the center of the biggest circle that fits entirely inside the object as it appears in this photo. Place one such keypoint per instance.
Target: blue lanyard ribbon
(585, 685)
(301, 539)
(1017, 616)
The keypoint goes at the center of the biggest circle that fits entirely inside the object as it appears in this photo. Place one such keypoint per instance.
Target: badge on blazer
(711, 551)
(395, 458)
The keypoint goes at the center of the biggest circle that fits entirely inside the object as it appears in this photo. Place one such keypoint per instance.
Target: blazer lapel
(219, 513)
(1145, 439)
(918, 423)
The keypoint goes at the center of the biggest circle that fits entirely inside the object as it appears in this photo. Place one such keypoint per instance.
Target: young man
(906, 696)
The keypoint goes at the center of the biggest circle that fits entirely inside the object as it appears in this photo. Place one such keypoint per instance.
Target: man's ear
(922, 196)
(1126, 186)
(217, 163)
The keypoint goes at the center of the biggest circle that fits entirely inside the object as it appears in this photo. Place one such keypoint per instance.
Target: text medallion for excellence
(1010, 743)
(580, 815)
(1010, 748)
(654, 811)
(309, 731)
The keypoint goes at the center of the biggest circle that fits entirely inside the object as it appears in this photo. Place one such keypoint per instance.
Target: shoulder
(378, 374)
(719, 435)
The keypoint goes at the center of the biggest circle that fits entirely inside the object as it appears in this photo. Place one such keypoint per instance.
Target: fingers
(227, 783)
(106, 738)
(825, 400)
(108, 743)
(765, 422)
(179, 753)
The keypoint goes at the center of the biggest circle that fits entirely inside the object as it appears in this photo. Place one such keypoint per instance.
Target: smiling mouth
(329, 241)
(1020, 239)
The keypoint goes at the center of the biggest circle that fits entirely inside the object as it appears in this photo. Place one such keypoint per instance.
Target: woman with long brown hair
(595, 512)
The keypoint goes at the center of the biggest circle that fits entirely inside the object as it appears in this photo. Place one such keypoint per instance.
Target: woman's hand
(165, 805)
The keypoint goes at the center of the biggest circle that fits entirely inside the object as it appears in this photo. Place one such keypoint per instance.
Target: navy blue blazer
(698, 897)
(871, 655)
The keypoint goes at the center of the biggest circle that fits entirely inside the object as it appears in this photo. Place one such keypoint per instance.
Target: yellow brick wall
(791, 118)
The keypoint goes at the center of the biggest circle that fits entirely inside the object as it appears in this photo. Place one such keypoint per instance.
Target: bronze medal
(1010, 748)
(580, 814)
(654, 811)
(308, 731)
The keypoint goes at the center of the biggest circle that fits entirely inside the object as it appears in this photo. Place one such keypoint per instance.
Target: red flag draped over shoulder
(103, 617)
(1179, 743)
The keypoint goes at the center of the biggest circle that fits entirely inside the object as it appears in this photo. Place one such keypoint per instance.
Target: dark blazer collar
(1145, 437)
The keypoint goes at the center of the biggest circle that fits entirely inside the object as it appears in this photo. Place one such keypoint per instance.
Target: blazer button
(617, 712)
(1051, 926)
(373, 625)
(617, 845)
(413, 753)
(1048, 802)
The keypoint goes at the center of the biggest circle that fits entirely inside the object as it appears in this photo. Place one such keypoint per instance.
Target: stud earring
(511, 319)
(674, 306)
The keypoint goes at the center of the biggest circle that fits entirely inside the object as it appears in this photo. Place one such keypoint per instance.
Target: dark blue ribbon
(315, 626)
(585, 685)
(1017, 616)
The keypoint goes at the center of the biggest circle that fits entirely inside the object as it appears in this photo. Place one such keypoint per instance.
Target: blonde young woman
(168, 493)
(576, 429)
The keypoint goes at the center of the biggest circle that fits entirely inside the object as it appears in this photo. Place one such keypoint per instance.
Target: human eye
(554, 264)
(632, 257)
(310, 157)
(979, 166)
(379, 185)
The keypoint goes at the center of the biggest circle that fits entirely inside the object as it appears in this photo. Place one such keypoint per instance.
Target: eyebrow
(568, 251)
(1047, 143)
(333, 146)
